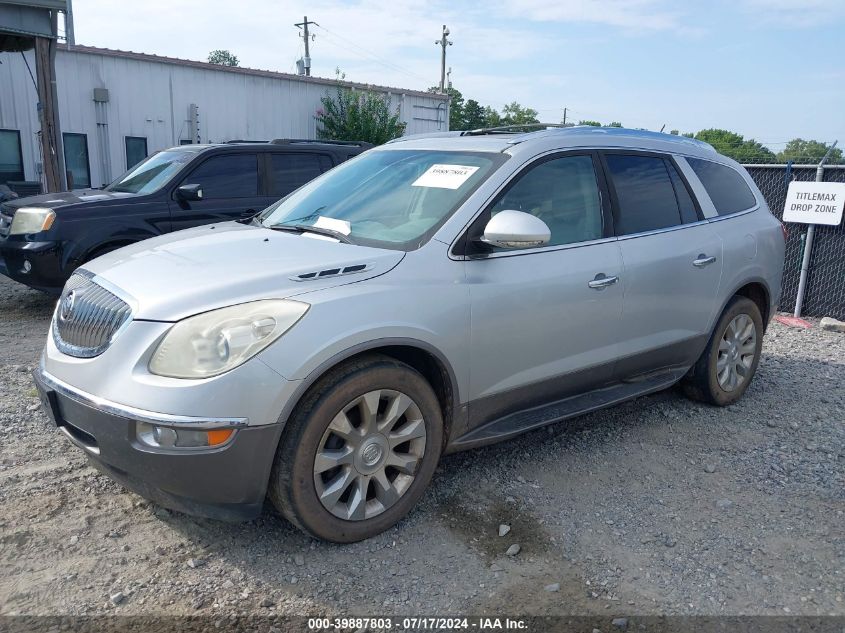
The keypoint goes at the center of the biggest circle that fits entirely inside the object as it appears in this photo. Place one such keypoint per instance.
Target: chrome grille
(87, 317)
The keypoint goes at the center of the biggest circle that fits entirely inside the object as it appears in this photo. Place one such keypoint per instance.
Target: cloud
(371, 43)
(631, 15)
(803, 14)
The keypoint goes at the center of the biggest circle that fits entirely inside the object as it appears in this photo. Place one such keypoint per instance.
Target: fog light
(167, 437)
(27, 266)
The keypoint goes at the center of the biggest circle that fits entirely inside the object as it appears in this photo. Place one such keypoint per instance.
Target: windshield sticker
(333, 224)
(445, 176)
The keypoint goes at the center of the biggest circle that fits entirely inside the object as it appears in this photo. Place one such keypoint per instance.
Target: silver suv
(431, 295)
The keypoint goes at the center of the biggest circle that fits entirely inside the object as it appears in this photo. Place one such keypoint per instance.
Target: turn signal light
(168, 437)
(220, 436)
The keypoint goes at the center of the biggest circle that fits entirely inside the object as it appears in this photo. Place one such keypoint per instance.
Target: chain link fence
(825, 293)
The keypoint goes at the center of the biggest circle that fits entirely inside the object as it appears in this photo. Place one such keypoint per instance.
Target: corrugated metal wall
(151, 99)
(18, 107)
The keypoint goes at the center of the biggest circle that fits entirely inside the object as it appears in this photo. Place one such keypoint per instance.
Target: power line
(363, 52)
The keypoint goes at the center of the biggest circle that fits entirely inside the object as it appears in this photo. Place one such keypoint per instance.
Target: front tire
(359, 451)
(725, 369)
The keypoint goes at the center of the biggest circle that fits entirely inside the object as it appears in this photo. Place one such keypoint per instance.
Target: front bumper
(229, 482)
(36, 264)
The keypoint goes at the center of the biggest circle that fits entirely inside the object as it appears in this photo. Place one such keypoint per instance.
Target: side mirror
(189, 192)
(516, 229)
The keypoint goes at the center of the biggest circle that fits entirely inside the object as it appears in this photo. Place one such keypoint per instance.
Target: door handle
(601, 281)
(703, 260)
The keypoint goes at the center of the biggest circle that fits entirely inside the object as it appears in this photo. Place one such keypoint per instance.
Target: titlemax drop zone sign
(814, 202)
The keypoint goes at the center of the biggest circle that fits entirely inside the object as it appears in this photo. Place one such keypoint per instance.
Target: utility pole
(306, 61)
(443, 42)
(70, 37)
(564, 117)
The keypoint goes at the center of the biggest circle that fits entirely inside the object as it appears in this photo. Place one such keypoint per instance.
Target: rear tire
(728, 363)
(359, 451)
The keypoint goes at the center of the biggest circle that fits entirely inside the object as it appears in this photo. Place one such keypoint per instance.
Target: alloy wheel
(736, 352)
(369, 454)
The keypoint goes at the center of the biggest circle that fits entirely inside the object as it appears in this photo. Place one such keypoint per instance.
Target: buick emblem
(372, 454)
(67, 305)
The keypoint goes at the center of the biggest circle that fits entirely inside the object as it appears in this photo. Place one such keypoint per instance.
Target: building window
(11, 160)
(185, 141)
(76, 161)
(136, 150)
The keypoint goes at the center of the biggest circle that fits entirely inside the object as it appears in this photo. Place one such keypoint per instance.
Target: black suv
(43, 239)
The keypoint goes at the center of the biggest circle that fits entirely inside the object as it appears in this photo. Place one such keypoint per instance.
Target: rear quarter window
(725, 186)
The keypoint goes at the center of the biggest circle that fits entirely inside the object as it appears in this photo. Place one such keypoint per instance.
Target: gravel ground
(657, 506)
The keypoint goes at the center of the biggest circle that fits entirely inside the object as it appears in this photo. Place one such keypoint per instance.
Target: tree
(515, 114)
(800, 151)
(222, 57)
(474, 116)
(590, 123)
(736, 146)
(614, 124)
(456, 107)
(357, 115)
(492, 118)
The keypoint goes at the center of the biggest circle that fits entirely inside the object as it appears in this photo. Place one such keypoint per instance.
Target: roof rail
(241, 140)
(290, 141)
(516, 128)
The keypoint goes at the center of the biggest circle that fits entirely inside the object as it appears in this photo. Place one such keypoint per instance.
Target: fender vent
(332, 272)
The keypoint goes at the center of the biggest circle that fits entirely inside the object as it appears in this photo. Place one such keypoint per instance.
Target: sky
(771, 70)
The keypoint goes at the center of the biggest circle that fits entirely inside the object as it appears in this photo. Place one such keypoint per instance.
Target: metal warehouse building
(116, 107)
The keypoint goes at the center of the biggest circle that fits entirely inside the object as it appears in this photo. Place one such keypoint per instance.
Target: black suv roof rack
(290, 141)
(512, 129)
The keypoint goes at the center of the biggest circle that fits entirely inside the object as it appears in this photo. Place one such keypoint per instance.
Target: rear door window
(685, 201)
(290, 171)
(726, 188)
(229, 176)
(646, 199)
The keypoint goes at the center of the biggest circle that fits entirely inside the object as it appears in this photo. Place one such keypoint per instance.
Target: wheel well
(431, 368)
(758, 294)
(102, 249)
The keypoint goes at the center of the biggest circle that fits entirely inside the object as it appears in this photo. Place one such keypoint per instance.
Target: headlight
(215, 342)
(31, 220)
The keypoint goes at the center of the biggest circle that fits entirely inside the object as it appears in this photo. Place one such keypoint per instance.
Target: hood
(184, 273)
(67, 198)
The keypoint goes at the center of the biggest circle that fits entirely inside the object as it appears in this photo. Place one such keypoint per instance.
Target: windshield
(388, 198)
(153, 173)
